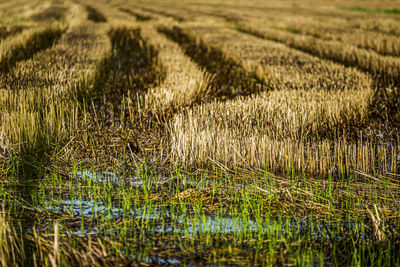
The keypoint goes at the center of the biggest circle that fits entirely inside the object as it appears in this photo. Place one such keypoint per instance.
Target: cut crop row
(271, 132)
(271, 63)
(280, 130)
(385, 69)
(14, 12)
(276, 15)
(111, 14)
(381, 43)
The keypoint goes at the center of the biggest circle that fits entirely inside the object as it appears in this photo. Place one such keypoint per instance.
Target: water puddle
(225, 225)
(187, 224)
(83, 232)
(190, 224)
(108, 177)
(157, 260)
(193, 225)
(168, 226)
(93, 209)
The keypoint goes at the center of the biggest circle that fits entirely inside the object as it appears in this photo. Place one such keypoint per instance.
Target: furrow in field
(384, 69)
(230, 78)
(347, 29)
(16, 20)
(112, 13)
(35, 36)
(120, 85)
(132, 68)
(184, 84)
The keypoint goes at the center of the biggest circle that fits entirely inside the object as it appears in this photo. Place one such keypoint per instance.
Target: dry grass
(55, 11)
(315, 103)
(115, 16)
(230, 78)
(11, 245)
(178, 16)
(312, 123)
(273, 15)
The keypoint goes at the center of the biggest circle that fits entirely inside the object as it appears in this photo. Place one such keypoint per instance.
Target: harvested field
(198, 132)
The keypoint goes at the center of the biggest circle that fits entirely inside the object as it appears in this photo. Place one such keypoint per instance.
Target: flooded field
(181, 220)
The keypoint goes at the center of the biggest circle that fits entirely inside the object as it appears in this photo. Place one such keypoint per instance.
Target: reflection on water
(197, 224)
(167, 224)
(112, 178)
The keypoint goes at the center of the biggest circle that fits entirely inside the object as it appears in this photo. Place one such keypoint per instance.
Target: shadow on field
(138, 16)
(34, 43)
(6, 31)
(230, 78)
(132, 67)
(95, 15)
(165, 14)
(52, 13)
